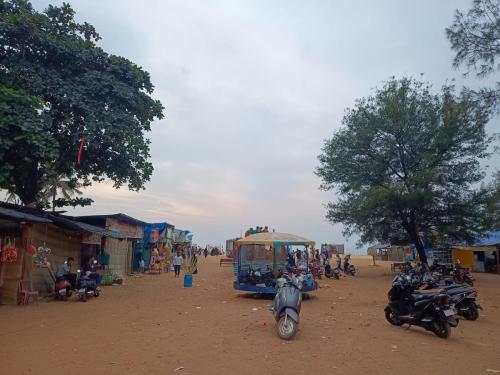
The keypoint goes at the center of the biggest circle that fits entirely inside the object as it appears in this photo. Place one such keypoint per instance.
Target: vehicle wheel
(442, 329)
(472, 314)
(96, 293)
(286, 330)
(83, 297)
(337, 276)
(391, 318)
(469, 281)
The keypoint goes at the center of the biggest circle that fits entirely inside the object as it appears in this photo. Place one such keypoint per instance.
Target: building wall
(120, 255)
(63, 244)
(131, 230)
(466, 257)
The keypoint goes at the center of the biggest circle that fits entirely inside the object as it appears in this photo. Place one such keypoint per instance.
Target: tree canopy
(475, 37)
(60, 92)
(404, 165)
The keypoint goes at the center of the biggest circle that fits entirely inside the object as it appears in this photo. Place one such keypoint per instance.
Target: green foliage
(404, 163)
(475, 37)
(57, 87)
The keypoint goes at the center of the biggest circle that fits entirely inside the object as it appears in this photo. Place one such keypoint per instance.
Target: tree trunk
(419, 245)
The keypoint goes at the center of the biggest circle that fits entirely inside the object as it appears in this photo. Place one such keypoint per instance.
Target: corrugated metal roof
(78, 225)
(119, 216)
(490, 239)
(22, 216)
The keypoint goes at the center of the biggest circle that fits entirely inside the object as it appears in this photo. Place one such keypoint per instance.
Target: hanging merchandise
(40, 259)
(9, 251)
(80, 151)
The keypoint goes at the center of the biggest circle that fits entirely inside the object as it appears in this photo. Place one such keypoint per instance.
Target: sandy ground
(153, 325)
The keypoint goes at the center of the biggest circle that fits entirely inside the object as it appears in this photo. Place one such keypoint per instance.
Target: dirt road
(153, 325)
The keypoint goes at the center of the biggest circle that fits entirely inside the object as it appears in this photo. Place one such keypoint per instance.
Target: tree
(492, 208)
(404, 164)
(68, 188)
(475, 37)
(60, 92)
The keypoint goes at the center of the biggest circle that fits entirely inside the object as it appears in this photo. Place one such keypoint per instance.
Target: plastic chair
(25, 293)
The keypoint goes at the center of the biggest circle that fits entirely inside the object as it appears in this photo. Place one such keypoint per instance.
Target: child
(141, 265)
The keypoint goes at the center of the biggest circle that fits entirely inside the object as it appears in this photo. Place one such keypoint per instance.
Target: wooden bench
(228, 261)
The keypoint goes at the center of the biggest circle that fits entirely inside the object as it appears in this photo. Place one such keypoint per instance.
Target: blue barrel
(188, 281)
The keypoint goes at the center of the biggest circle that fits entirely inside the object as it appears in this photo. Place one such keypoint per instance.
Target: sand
(153, 325)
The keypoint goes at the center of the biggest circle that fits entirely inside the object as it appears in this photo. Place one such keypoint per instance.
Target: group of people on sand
(256, 230)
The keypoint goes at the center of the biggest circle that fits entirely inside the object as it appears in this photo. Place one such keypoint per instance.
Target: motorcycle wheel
(442, 329)
(472, 313)
(391, 318)
(83, 297)
(96, 293)
(286, 330)
(337, 276)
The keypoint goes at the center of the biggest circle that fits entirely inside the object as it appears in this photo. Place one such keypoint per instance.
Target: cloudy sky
(251, 90)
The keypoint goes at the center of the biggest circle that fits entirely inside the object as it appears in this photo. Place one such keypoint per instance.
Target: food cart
(261, 258)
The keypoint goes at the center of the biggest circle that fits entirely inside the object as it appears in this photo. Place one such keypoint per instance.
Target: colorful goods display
(9, 251)
(40, 257)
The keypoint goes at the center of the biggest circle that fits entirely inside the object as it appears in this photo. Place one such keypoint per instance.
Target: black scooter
(431, 311)
(461, 296)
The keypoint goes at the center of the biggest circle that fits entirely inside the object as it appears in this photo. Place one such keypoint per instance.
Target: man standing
(178, 260)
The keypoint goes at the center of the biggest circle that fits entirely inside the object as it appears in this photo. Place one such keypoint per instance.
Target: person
(301, 262)
(89, 270)
(64, 272)
(324, 256)
(347, 260)
(339, 261)
(142, 265)
(178, 260)
(205, 252)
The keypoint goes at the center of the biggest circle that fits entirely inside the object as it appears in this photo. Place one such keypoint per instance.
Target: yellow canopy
(271, 238)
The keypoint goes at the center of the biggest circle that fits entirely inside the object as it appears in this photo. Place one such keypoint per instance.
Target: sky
(251, 90)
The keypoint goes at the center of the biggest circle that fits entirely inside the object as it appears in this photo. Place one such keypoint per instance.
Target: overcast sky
(251, 90)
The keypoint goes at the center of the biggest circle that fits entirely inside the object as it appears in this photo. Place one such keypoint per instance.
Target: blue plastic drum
(188, 281)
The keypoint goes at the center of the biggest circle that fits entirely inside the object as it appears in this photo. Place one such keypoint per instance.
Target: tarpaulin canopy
(274, 239)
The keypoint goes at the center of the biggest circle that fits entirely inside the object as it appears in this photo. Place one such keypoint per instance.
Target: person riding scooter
(64, 273)
(89, 270)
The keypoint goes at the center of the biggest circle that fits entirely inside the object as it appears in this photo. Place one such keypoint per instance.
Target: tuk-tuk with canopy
(262, 257)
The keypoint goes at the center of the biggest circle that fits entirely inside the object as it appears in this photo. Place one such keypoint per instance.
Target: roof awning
(272, 238)
(22, 216)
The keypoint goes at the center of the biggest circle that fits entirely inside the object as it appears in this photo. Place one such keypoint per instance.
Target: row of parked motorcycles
(427, 298)
(86, 288)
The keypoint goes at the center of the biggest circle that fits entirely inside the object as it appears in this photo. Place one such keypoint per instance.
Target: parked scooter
(350, 270)
(461, 296)
(87, 287)
(431, 311)
(461, 275)
(332, 272)
(287, 303)
(62, 289)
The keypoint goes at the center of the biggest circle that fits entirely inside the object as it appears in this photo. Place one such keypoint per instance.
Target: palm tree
(59, 184)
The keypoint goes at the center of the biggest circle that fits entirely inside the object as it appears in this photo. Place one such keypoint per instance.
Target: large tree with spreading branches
(67, 107)
(405, 165)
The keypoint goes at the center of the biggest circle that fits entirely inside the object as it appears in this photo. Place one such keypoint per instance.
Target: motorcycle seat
(423, 296)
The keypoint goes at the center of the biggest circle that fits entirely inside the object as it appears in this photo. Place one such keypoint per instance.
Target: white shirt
(178, 260)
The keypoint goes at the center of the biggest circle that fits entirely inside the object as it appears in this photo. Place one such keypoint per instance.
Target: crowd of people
(257, 230)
